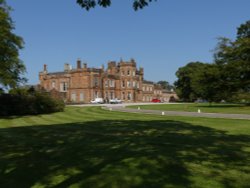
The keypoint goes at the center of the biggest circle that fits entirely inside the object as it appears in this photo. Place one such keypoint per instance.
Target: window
(138, 85)
(95, 81)
(129, 96)
(96, 94)
(133, 73)
(128, 84)
(128, 72)
(73, 97)
(106, 83)
(123, 83)
(134, 84)
(122, 73)
(112, 95)
(63, 86)
(143, 88)
(123, 95)
(81, 97)
(111, 83)
(53, 84)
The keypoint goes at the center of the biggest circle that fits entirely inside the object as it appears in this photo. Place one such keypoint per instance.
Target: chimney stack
(45, 68)
(141, 70)
(66, 67)
(78, 62)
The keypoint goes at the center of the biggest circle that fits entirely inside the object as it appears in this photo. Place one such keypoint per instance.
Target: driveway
(121, 108)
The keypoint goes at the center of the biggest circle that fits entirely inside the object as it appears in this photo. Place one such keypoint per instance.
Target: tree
(206, 83)
(185, 77)
(88, 4)
(228, 78)
(165, 85)
(12, 67)
(234, 59)
(244, 30)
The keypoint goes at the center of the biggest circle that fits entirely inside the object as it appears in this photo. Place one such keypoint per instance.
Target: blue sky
(161, 38)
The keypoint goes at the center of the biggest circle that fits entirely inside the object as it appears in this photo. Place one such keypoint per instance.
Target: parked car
(115, 101)
(156, 100)
(97, 101)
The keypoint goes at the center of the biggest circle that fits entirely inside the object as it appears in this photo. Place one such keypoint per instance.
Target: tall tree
(244, 30)
(206, 83)
(186, 75)
(227, 78)
(234, 59)
(88, 4)
(11, 67)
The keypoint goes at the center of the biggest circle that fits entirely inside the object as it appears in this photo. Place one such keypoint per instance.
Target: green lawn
(204, 107)
(91, 147)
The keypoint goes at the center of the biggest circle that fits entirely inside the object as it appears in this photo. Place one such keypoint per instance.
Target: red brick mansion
(120, 80)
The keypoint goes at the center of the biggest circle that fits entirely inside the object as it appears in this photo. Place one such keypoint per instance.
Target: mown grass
(204, 107)
(91, 147)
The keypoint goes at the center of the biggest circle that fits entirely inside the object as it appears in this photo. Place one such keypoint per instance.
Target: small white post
(163, 113)
(110, 109)
(199, 111)
(138, 108)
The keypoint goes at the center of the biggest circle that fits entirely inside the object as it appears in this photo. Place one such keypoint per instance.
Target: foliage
(244, 30)
(27, 102)
(229, 75)
(185, 75)
(165, 85)
(12, 67)
(242, 97)
(88, 4)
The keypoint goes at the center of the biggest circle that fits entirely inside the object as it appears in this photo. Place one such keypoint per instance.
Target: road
(121, 108)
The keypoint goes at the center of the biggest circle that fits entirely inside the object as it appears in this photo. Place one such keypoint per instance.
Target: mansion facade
(120, 80)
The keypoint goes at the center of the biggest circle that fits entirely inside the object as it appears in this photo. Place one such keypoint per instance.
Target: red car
(156, 100)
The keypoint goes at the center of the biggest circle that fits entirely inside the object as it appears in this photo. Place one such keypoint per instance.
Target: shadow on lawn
(118, 154)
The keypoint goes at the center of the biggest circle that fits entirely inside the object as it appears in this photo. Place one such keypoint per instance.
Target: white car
(97, 101)
(115, 101)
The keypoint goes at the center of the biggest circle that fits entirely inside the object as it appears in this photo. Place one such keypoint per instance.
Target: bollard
(139, 108)
(163, 113)
(199, 111)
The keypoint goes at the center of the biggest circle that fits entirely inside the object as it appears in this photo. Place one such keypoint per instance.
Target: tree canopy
(12, 67)
(88, 4)
(165, 85)
(224, 79)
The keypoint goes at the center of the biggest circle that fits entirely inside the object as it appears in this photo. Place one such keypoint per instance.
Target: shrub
(29, 103)
(241, 97)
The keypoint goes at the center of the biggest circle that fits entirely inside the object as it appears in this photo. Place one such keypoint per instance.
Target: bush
(241, 97)
(27, 103)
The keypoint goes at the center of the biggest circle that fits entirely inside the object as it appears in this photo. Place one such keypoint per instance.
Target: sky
(162, 37)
